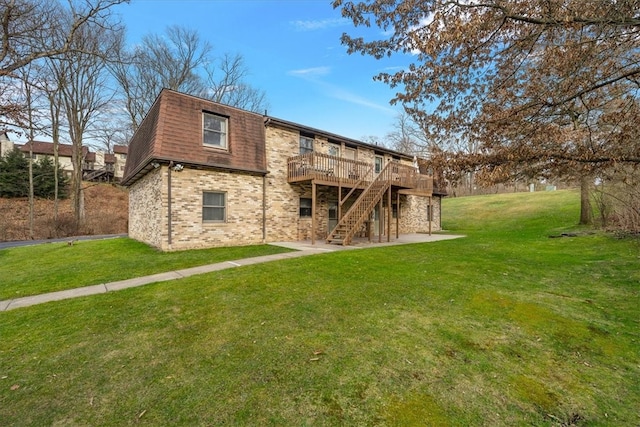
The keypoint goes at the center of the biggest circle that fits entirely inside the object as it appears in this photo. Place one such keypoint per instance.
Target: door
(333, 216)
(375, 229)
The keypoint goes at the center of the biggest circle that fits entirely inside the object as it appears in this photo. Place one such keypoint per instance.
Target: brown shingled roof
(120, 149)
(172, 131)
(46, 148)
(39, 147)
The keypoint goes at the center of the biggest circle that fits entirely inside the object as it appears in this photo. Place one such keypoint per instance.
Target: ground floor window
(214, 206)
(305, 207)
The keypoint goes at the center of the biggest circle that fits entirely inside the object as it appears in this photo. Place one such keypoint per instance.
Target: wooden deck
(324, 169)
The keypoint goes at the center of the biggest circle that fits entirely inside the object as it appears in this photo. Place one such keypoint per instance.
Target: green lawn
(505, 327)
(57, 266)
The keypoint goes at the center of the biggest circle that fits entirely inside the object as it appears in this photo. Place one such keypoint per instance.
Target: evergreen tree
(43, 179)
(14, 175)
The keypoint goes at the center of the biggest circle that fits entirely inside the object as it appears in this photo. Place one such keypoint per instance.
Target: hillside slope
(106, 210)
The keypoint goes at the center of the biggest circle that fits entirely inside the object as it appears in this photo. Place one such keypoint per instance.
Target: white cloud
(347, 96)
(310, 72)
(314, 76)
(320, 24)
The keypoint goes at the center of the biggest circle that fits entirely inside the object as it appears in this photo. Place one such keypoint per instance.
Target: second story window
(214, 130)
(306, 145)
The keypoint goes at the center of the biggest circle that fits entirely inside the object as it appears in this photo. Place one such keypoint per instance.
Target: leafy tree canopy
(545, 87)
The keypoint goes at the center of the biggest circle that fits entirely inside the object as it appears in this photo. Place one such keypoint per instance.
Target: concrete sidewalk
(301, 248)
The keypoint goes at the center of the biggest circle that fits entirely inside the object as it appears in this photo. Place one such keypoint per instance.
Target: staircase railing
(361, 209)
(95, 174)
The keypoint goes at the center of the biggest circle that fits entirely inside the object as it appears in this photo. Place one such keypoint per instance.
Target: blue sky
(293, 51)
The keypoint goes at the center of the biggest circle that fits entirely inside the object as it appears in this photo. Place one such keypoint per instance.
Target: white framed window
(214, 206)
(214, 130)
(306, 145)
(305, 207)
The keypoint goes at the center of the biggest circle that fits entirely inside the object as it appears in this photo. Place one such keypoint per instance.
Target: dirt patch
(106, 212)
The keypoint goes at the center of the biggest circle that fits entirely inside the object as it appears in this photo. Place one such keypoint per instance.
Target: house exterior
(6, 145)
(96, 166)
(202, 174)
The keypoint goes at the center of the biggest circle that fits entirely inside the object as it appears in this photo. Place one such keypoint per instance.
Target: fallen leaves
(316, 353)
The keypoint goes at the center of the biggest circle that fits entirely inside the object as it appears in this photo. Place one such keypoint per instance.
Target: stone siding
(146, 208)
(414, 214)
(243, 224)
(283, 199)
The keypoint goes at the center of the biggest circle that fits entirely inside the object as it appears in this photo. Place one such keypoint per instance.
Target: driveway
(15, 244)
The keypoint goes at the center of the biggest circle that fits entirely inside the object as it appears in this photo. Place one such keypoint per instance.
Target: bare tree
(180, 60)
(84, 93)
(26, 28)
(171, 61)
(231, 88)
(373, 140)
(407, 137)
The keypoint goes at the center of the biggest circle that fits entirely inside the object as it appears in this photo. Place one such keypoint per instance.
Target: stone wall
(146, 208)
(414, 214)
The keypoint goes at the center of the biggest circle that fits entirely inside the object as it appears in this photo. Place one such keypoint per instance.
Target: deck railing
(338, 170)
(327, 168)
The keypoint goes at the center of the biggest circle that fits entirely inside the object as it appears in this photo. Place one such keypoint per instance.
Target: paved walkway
(301, 249)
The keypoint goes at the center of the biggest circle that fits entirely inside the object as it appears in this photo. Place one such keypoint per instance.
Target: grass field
(54, 267)
(505, 327)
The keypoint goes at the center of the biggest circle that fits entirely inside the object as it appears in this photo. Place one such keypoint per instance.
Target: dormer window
(214, 130)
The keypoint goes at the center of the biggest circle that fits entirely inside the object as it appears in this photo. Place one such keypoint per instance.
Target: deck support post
(380, 221)
(389, 214)
(313, 212)
(397, 215)
(339, 202)
(430, 211)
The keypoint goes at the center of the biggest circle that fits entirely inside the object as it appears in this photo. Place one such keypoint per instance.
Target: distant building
(96, 166)
(6, 144)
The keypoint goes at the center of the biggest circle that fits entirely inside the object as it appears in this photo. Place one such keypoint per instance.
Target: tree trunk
(586, 215)
(78, 203)
(31, 203)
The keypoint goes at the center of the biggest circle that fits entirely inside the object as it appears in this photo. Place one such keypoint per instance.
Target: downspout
(430, 210)
(398, 215)
(313, 212)
(169, 203)
(264, 208)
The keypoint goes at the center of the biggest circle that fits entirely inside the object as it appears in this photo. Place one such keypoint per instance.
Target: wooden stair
(351, 222)
(95, 174)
